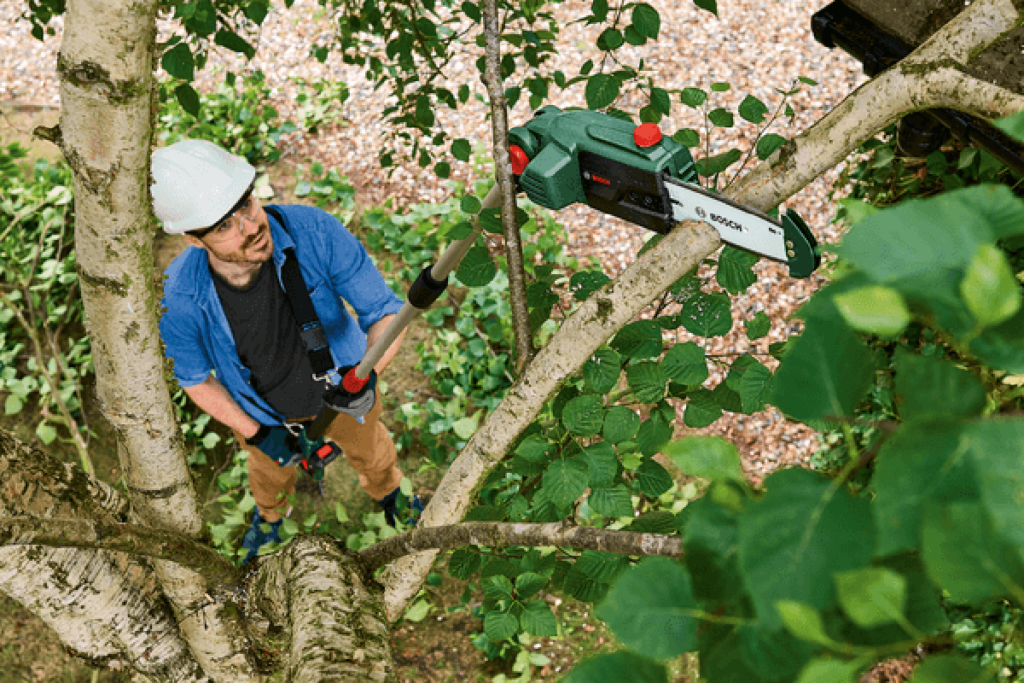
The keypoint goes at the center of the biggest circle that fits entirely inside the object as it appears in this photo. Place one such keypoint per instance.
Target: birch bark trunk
(106, 65)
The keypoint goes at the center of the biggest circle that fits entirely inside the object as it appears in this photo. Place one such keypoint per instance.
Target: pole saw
(633, 172)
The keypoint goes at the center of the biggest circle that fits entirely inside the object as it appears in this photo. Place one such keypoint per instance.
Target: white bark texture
(929, 77)
(333, 609)
(104, 607)
(106, 69)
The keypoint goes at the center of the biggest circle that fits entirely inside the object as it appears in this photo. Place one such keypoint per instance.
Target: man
(227, 313)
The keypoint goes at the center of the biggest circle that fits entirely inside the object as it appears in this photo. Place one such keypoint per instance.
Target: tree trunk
(930, 77)
(104, 607)
(106, 70)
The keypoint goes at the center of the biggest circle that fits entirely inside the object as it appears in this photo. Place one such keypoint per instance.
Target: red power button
(647, 135)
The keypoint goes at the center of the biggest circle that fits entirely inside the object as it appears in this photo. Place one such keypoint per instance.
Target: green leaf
(685, 363)
(652, 436)
(565, 480)
(461, 149)
(709, 544)
(620, 424)
(640, 339)
(1012, 126)
(528, 583)
(477, 268)
(610, 39)
(693, 97)
(650, 609)
(921, 462)
(500, 626)
(720, 117)
(997, 449)
(708, 457)
(234, 42)
(758, 327)
(464, 563)
(795, 538)
(928, 387)
(647, 381)
(536, 449)
(633, 36)
(178, 62)
(709, 5)
(418, 611)
(701, 410)
(611, 501)
(752, 109)
(46, 433)
(601, 91)
(721, 86)
(602, 463)
(661, 101)
(755, 387)
(989, 288)
(826, 371)
(734, 269)
(465, 427)
(687, 137)
(13, 404)
(714, 165)
(872, 595)
(604, 567)
(187, 98)
(891, 248)
(874, 309)
(538, 620)
(497, 587)
(707, 314)
(647, 20)
(829, 671)
(601, 372)
(586, 282)
(470, 204)
(652, 479)
(584, 415)
(767, 144)
(952, 666)
(616, 668)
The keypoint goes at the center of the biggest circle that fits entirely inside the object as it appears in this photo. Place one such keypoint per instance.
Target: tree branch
(930, 77)
(503, 534)
(791, 168)
(91, 534)
(503, 174)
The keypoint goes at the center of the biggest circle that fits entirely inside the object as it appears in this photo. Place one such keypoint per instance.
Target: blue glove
(279, 444)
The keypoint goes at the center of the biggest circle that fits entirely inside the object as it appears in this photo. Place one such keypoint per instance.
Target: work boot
(396, 503)
(255, 538)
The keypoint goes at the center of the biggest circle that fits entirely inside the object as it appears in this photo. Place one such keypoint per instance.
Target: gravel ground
(758, 47)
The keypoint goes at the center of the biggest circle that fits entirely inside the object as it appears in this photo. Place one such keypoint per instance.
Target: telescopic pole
(430, 284)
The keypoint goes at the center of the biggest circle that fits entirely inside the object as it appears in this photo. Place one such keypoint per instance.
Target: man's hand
(279, 444)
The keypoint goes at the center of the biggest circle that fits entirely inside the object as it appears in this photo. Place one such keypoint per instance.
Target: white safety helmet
(195, 184)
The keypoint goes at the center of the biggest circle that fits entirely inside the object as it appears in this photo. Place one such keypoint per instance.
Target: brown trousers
(367, 446)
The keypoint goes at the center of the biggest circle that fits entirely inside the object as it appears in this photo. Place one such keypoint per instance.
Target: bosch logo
(702, 213)
(726, 222)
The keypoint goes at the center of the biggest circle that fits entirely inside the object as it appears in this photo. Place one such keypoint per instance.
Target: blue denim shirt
(333, 263)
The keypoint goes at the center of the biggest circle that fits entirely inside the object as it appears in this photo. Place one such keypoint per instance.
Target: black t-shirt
(267, 336)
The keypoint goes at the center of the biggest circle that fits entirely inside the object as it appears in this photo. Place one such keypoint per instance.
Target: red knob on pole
(647, 135)
(353, 384)
(519, 159)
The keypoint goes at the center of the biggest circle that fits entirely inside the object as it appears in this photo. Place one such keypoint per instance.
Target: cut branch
(503, 534)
